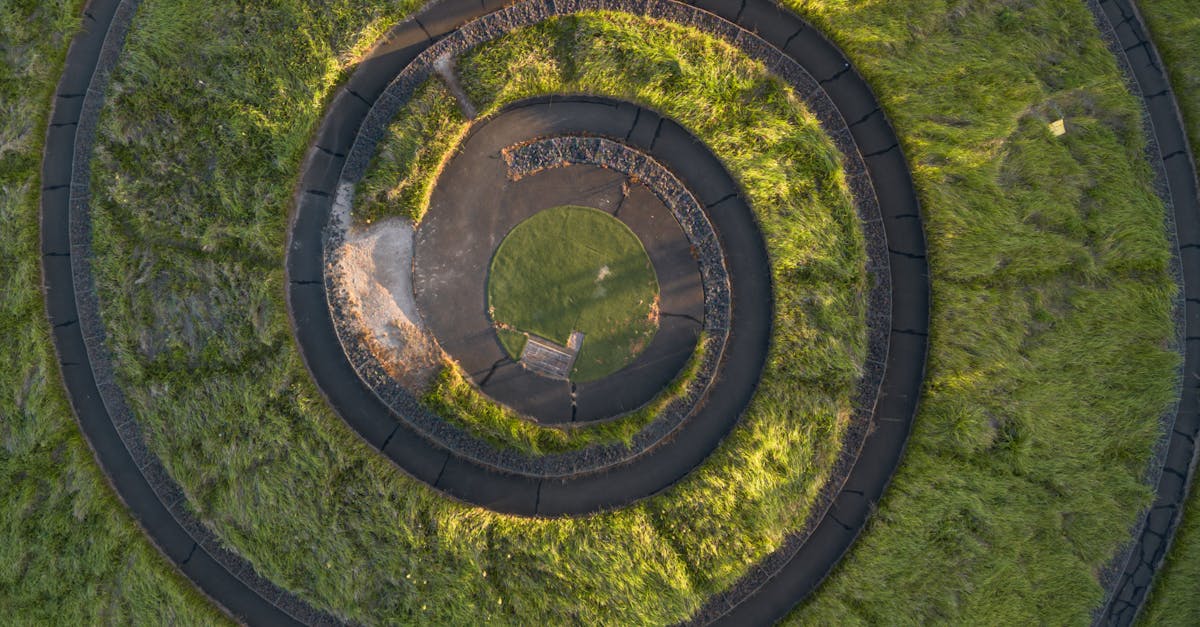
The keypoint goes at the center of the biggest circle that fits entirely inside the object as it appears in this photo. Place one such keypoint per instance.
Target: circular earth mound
(579, 278)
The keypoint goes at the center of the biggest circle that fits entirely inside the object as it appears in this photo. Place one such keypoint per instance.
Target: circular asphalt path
(614, 485)
(343, 149)
(465, 223)
(1172, 160)
(154, 499)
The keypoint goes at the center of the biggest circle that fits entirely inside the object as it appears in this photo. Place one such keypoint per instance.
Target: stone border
(527, 159)
(1130, 575)
(137, 475)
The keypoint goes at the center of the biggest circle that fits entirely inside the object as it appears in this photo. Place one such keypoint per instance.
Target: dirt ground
(376, 269)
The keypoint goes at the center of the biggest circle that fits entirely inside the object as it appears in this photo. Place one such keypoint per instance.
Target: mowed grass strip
(1175, 28)
(69, 551)
(569, 269)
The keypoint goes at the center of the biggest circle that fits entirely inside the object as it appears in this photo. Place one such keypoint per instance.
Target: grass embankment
(192, 188)
(1047, 372)
(1049, 366)
(571, 269)
(1175, 27)
(457, 399)
(409, 158)
(69, 553)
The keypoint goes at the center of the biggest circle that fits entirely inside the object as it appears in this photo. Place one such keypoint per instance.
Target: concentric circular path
(878, 175)
(157, 503)
(461, 475)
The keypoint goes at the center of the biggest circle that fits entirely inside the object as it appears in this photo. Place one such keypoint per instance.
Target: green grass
(803, 236)
(201, 336)
(1047, 369)
(569, 269)
(1175, 27)
(69, 552)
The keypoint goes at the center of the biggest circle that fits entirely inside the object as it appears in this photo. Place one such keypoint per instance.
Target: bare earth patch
(375, 267)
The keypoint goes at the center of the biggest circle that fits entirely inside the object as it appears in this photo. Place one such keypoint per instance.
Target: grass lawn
(1175, 27)
(69, 552)
(570, 269)
(1047, 369)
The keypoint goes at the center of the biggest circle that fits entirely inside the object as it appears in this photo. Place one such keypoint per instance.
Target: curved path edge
(155, 500)
(1173, 468)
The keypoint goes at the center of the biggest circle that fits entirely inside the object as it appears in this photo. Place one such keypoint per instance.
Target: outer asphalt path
(151, 495)
(1171, 157)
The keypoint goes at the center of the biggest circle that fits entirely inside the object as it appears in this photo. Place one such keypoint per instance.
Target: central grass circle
(569, 269)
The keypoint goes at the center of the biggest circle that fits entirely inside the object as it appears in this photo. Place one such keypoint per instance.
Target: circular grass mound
(571, 269)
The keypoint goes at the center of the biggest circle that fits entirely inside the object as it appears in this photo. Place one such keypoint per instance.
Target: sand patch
(374, 267)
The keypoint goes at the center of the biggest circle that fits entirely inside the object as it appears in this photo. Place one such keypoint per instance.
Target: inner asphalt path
(584, 492)
(477, 205)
